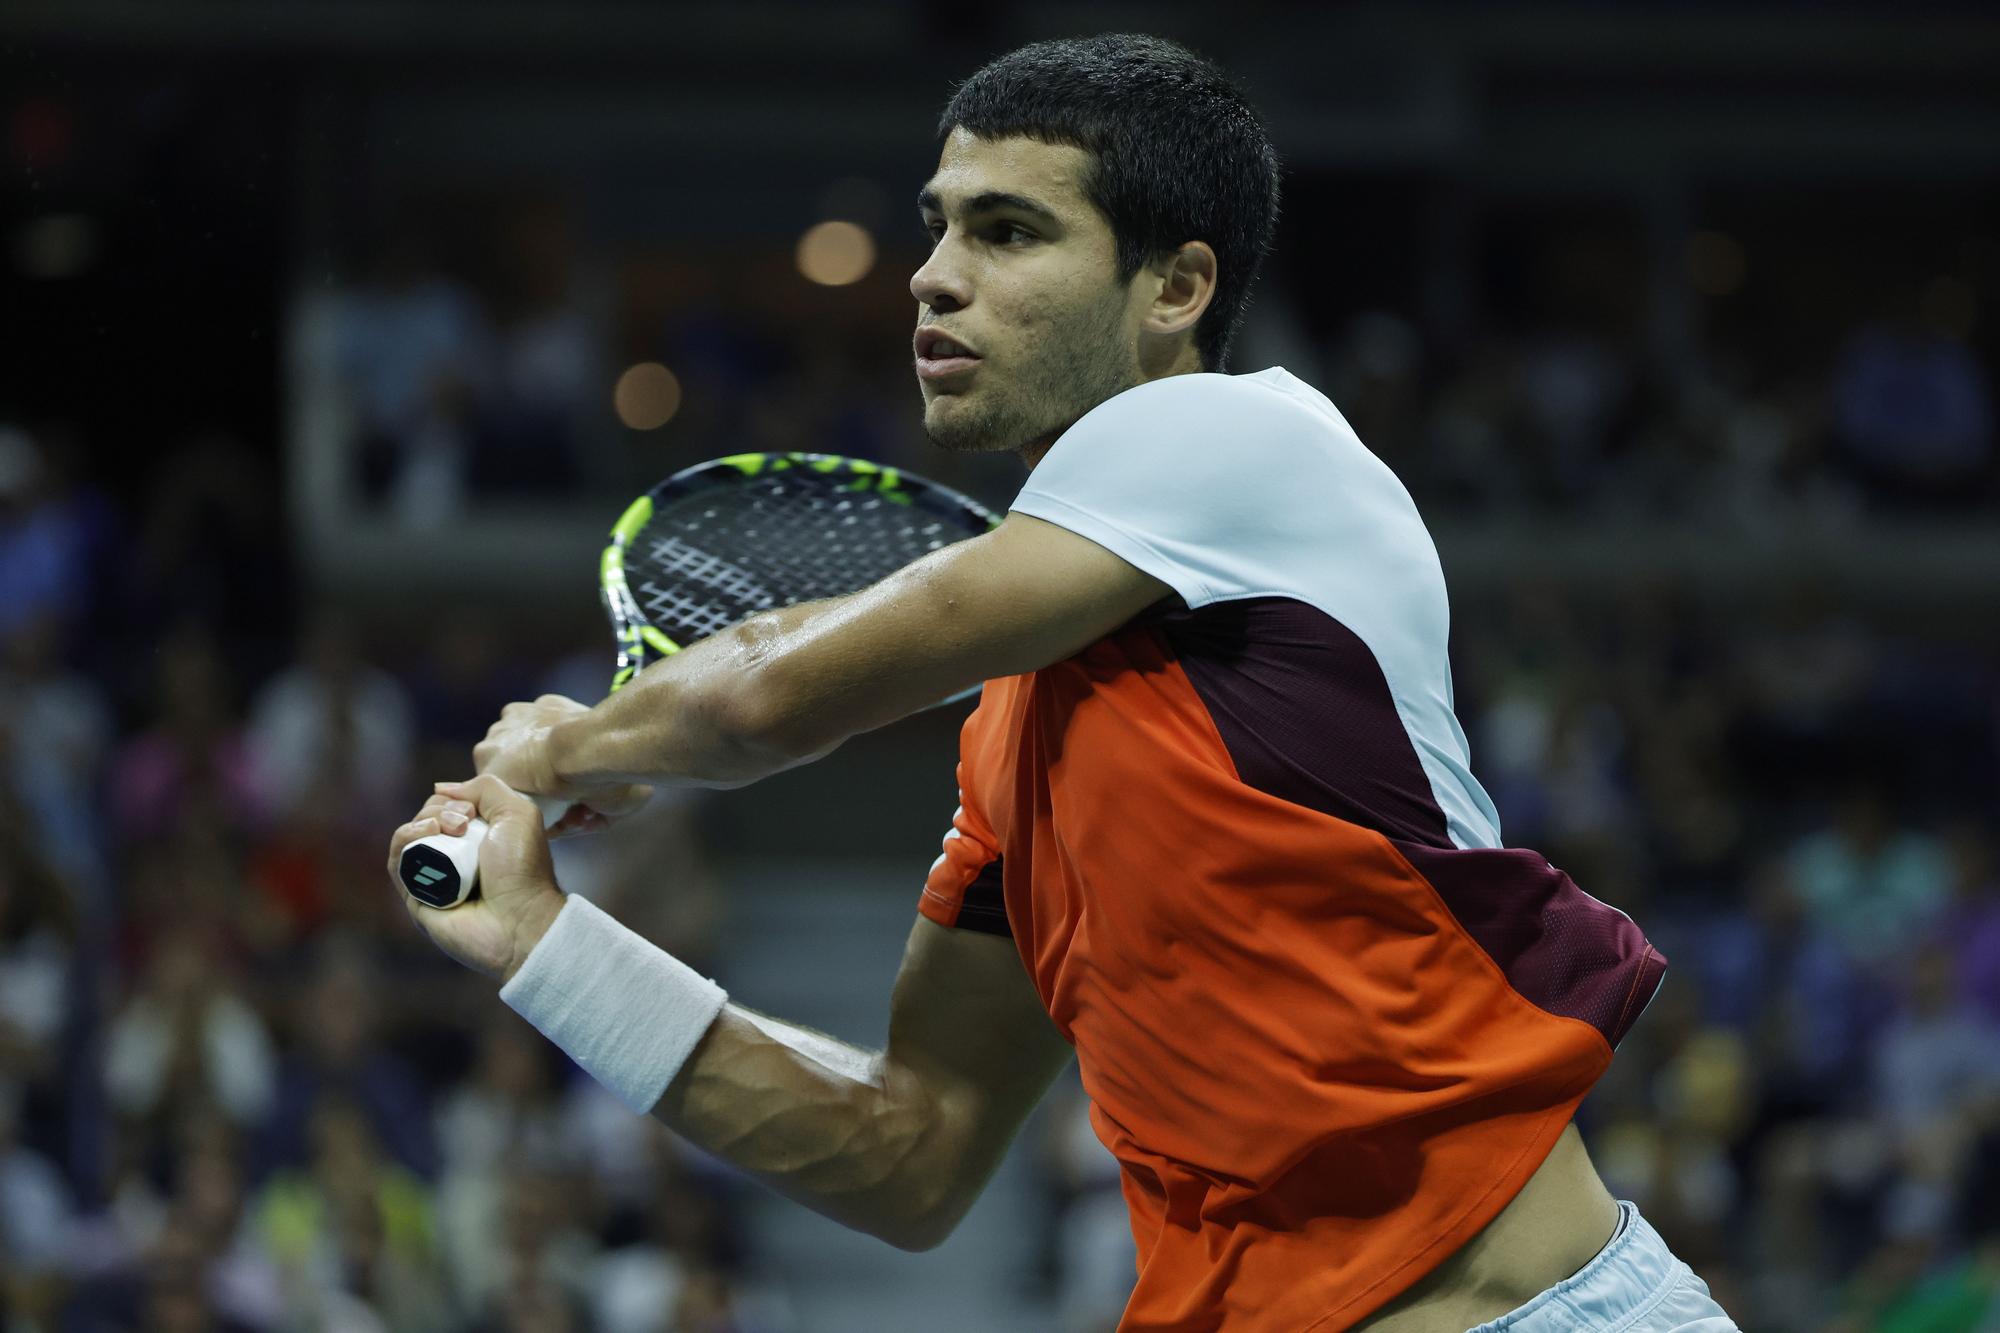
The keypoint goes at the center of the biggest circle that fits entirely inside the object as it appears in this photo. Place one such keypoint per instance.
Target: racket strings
(707, 560)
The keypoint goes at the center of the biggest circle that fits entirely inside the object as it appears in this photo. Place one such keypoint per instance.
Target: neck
(1185, 360)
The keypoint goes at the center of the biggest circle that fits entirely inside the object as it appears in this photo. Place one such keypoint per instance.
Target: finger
(491, 799)
(422, 827)
(432, 806)
(450, 812)
(555, 700)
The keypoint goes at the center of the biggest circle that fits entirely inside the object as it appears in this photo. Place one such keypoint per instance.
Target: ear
(1187, 285)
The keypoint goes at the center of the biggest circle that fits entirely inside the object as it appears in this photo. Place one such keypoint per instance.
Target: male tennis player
(1217, 835)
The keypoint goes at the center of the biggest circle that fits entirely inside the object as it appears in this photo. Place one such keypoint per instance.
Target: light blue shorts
(1634, 1285)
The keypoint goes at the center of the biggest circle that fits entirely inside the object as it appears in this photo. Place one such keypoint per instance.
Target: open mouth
(940, 355)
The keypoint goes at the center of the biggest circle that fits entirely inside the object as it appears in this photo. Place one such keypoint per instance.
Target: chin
(955, 425)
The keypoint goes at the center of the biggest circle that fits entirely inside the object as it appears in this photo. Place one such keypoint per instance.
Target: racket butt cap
(443, 870)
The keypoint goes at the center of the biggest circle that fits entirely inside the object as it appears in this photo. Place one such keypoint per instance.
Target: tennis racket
(719, 542)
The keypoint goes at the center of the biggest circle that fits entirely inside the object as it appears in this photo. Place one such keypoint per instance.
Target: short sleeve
(963, 888)
(1211, 484)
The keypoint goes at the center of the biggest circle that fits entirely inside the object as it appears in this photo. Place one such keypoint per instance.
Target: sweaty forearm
(853, 1134)
(897, 1144)
(841, 1130)
(703, 717)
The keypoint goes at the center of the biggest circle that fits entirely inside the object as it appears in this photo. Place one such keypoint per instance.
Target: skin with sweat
(1022, 275)
(1023, 272)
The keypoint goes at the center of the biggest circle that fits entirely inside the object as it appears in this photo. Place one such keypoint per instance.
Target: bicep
(1016, 599)
(966, 1021)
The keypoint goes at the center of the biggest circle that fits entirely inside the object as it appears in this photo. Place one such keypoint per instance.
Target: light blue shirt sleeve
(1194, 479)
(1228, 487)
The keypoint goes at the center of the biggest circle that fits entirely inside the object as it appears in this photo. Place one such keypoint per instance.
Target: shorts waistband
(1627, 1276)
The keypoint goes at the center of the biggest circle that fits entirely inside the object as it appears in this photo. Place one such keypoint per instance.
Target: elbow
(932, 1206)
(908, 1238)
(927, 1205)
(762, 713)
(924, 1230)
(758, 726)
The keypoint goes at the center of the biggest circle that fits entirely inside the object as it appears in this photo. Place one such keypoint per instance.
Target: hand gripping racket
(719, 542)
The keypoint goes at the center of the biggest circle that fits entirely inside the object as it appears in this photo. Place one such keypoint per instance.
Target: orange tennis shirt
(1327, 1025)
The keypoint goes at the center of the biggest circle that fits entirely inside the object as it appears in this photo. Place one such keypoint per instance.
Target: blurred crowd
(473, 382)
(491, 376)
(1799, 808)
(1564, 419)
(238, 1091)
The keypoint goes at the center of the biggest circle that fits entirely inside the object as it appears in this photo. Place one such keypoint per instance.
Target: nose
(941, 283)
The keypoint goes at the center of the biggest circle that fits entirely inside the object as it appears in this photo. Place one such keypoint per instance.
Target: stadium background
(337, 332)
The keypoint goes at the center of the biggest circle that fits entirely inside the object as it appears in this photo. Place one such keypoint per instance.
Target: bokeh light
(647, 396)
(836, 253)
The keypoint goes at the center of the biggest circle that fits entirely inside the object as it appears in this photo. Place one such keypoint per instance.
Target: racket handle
(443, 869)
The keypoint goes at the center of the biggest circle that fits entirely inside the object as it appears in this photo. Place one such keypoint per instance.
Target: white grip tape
(624, 1009)
(462, 850)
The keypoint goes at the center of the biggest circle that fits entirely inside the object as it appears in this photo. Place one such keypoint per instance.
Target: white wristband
(626, 1010)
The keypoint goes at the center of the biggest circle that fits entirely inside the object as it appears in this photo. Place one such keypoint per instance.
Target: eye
(1008, 233)
(934, 230)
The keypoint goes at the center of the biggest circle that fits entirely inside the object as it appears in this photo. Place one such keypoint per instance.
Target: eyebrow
(992, 201)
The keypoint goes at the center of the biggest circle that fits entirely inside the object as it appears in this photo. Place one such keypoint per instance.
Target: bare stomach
(1558, 1222)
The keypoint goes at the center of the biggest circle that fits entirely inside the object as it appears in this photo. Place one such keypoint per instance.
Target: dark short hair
(1178, 153)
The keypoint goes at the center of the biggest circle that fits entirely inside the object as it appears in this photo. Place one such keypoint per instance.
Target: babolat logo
(428, 876)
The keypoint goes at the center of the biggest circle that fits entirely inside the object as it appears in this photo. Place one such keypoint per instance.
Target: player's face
(1023, 276)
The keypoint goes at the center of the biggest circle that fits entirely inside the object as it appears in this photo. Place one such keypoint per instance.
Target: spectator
(527, 436)
(1973, 923)
(192, 756)
(1571, 387)
(336, 1053)
(186, 1035)
(1914, 409)
(211, 546)
(1937, 1071)
(36, 1213)
(466, 674)
(412, 345)
(46, 540)
(38, 943)
(351, 1231)
(1876, 887)
(333, 732)
(504, 1118)
(539, 1275)
(55, 734)
(683, 1240)
(211, 1205)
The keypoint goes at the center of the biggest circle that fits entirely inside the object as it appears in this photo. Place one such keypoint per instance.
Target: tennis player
(1217, 836)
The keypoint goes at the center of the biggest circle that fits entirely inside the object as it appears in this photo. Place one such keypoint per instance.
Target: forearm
(695, 719)
(784, 687)
(841, 1130)
(850, 1133)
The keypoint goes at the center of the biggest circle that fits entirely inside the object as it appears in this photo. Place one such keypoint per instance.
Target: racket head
(723, 540)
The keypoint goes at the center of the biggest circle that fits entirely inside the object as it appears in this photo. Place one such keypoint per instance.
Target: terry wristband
(627, 1011)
